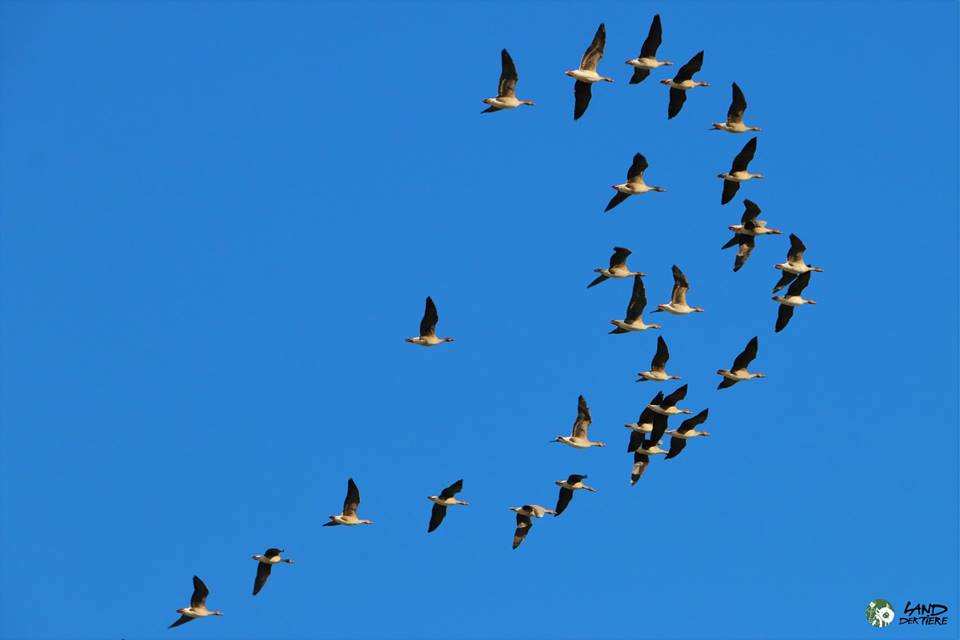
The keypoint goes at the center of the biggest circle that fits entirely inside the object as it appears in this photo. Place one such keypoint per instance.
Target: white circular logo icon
(880, 613)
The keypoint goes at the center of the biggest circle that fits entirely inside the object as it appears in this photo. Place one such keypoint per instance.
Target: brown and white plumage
(265, 562)
(668, 406)
(678, 296)
(792, 299)
(198, 605)
(586, 74)
(745, 233)
(633, 319)
(657, 372)
(446, 499)
(738, 171)
(525, 515)
(573, 483)
(579, 437)
(686, 431)
(506, 97)
(734, 122)
(350, 505)
(428, 327)
(618, 267)
(647, 59)
(738, 372)
(634, 184)
(794, 265)
(682, 82)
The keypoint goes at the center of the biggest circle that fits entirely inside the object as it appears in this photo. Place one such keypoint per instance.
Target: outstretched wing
(524, 523)
(795, 253)
(661, 356)
(680, 287)
(200, 593)
(743, 252)
(675, 397)
(595, 51)
(615, 200)
(508, 76)
(746, 356)
(428, 324)
(686, 71)
(581, 98)
(798, 285)
(638, 300)
(637, 167)
(750, 213)
(436, 516)
(676, 446)
(563, 499)
(690, 423)
(640, 463)
(581, 425)
(352, 501)
(783, 317)
(179, 621)
(677, 98)
(730, 189)
(785, 279)
(453, 489)
(639, 75)
(263, 572)
(742, 160)
(737, 106)
(654, 37)
(619, 257)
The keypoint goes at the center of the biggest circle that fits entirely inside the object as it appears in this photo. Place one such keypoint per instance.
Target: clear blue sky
(220, 220)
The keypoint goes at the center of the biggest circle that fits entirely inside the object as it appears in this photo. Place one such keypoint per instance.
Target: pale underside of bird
(745, 233)
(734, 122)
(586, 74)
(265, 562)
(678, 296)
(738, 372)
(646, 61)
(428, 327)
(574, 482)
(634, 184)
(739, 171)
(668, 406)
(579, 437)
(791, 300)
(447, 498)
(686, 431)
(795, 265)
(658, 372)
(198, 605)
(350, 505)
(506, 97)
(644, 423)
(618, 267)
(682, 82)
(633, 319)
(525, 515)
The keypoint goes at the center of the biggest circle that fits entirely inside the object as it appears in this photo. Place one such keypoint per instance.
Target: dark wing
(783, 317)
(676, 446)
(600, 278)
(200, 592)
(795, 254)
(436, 516)
(674, 398)
(690, 423)
(582, 94)
(661, 356)
(179, 621)
(490, 109)
(639, 75)
(352, 501)
(263, 572)
(737, 105)
(574, 478)
(686, 71)
(677, 98)
(508, 76)
(428, 325)
(750, 213)
(582, 423)
(452, 490)
(732, 242)
(798, 285)
(743, 252)
(595, 51)
(730, 189)
(654, 37)
(785, 279)
(638, 300)
(615, 200)
(619, 256)
(726, 383)
(743, 158)
(272, 552)
(640, 462)
(523, 528)
(637, 167)
(747, 355)
(563, 499)
(636, 439)
(659, 427)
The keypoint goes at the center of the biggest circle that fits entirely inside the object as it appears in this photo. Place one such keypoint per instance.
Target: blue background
(220, 220)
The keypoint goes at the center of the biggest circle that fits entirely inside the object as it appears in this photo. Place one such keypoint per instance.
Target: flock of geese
(651, 426)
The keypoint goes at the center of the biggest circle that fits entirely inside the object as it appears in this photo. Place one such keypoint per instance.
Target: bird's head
(529, 103)
(448, 339)
(698, 309)
(665, 81)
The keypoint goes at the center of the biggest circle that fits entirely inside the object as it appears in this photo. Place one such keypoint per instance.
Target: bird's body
(428, 328)
(739, 171)
(579, 437)
(634, 185)
(574, 482)
(791, 300)
(744, 234)
(617, 269)
(687, 431)
(633, 319)
(738, 372)
(682, 82)
(668, 406)
(657, 372)
(198, 605)
(349, 516)
(795, 264)
(678, 296)
(644, 423)
(646, 60)
(447, 498)
(506, 97)
(265, 563)
(586, 74)
(734, 122)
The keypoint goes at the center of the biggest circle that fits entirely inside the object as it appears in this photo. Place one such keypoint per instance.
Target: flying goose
(791, 300)
(634, 184)
(446, 499)
(687, 430)
(586, 74)
(525, 515)
(428, 327)
(644, 423)
(668, 406)
(738, 372)
(265, 562)
(657, 371)
(567, 487)
(640, 462)
(681, 82)
(633, 320)
(678, 297)
(198, 605)
(641, 440)
(350, 505)
(734, 123)
(794, 265)
(738, 171)
(647, 59)
(744, 234)
(506, 88)
(579, 437)
(618, 267)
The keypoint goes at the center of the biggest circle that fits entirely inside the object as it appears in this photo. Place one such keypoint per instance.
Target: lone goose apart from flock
(647, 59)
(681, 82)
(447, 498)
(618, 267)
(586, 74)
(794, 265)
(567, 487)
(579, 437)
(198, 605)
(668, 406)
(265, 562)
(525, 515)
(658, 365)
(350, 505)
(687, 430)
(428, 327)
(738, 171)
(506, 88)
(738, 372)
(633, 321)
(744, 234)
(678, 297)
(791, 300)
(634, 184)
(734, 123)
